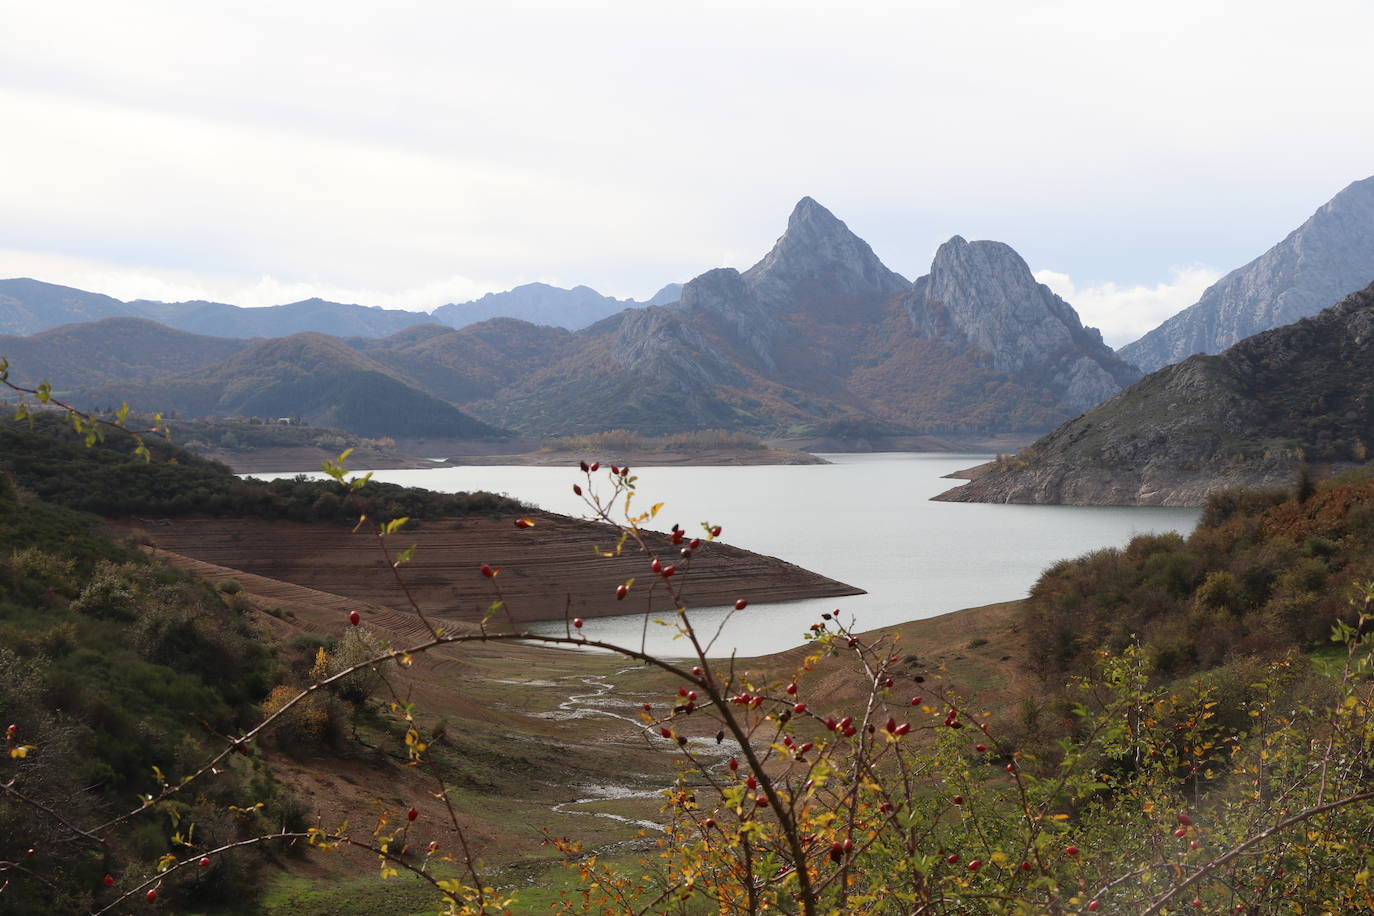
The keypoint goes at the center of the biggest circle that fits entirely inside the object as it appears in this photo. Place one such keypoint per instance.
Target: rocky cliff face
(1251, 416)
(820, 334)
(819, 261)
(1327, 257)
(984, 295)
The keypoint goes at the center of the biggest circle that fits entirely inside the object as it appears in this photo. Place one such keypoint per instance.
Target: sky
(409, 154)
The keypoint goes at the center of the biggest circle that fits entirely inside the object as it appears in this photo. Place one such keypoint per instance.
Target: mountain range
(817, 337)
(31, 306)
(1326, 258)
(1252, 415)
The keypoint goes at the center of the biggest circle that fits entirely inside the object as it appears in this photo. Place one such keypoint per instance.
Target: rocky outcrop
(1249, 416)
(1327, 257)
(818, 257)
(983, 294)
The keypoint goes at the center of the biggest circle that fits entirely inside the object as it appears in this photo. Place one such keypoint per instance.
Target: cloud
(1124, 313)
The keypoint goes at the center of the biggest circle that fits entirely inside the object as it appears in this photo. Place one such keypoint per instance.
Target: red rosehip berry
(109, 880)
(355, 618)
(916, 701)
(740, 604)
(1181, 832)
(648, 707)
(1184, 819)
(596, 466)
(958, 799)
(30, 853)
(620, 592)
(1093, 906)
(751, 782)
(799, 708)
(761, 800)
(980, 748)
(902, 729)
(715, 531)
(668, 571)
(975, 865)
(1070, 850)
(487, 570)
(523, 522)
(666, 732)
(791, 689)
(953, 858)
(734, 764)
(577, 622)
(1026, 866)
(577, 489)
(204, 862)
(584, 466)
(151, 896)
(694, 543)
(656, 565)
(412, 814)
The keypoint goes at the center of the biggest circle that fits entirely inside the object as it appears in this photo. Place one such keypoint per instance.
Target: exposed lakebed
(865, 519)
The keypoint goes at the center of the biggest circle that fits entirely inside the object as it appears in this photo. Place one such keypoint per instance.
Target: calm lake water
(864, 519)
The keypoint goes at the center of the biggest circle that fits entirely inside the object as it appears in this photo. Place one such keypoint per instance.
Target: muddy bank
(546, 571)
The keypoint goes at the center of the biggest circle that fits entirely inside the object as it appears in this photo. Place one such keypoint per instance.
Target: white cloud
(1124, 313)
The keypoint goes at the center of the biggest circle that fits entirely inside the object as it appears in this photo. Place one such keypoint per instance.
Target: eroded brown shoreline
(547, 571)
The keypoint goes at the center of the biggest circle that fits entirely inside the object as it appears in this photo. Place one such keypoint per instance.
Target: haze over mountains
(1325, 259)
(818, 336)
(30, 306)
(817, 339)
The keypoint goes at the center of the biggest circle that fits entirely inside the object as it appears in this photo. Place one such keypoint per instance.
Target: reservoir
(865, 519)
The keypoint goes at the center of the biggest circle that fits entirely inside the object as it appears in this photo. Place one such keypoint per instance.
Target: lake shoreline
(290, 459)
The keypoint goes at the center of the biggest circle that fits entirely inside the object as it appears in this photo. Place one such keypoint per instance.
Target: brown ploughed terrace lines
(545, 571)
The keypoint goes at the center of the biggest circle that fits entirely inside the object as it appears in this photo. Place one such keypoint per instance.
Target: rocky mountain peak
(819, 255)
(1327, 257)
(986, 290)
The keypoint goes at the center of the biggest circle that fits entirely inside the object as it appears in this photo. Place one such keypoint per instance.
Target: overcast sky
(411, 154)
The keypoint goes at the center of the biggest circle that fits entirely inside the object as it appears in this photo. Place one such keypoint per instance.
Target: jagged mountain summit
(1324, 259)
(987, 292)
(820, 334)
(1248, 416)
(818, 339)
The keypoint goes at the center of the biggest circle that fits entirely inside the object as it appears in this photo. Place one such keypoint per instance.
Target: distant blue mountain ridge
(30, 306)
